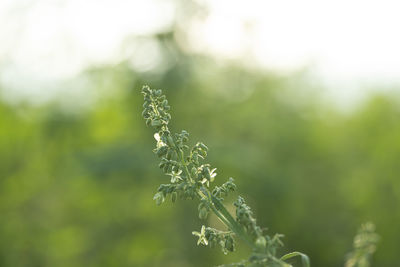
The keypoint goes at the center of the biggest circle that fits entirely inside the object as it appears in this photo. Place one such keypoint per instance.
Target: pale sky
(347, 43)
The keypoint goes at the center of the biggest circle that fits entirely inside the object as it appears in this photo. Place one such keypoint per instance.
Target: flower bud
(156, 123)
(261, 242)
(229, 244)
(203, 146)
(193, 172)
(146, 89)
(203, 213)
(161, 151)
(169, 154)
(159, 198)
(174, 196)
(170, 141)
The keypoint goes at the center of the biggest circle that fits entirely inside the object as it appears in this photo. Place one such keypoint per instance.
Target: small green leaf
(304, 258)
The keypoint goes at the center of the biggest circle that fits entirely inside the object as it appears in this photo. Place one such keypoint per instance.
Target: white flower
(202, 236)
(211, 176)
(175, 176)
(158, 139)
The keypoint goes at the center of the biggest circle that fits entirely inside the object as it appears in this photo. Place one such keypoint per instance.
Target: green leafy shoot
(190, 177)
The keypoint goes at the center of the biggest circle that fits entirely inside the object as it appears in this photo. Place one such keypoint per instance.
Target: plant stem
(235, 227)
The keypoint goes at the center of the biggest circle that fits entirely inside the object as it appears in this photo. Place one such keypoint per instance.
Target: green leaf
(304, 258)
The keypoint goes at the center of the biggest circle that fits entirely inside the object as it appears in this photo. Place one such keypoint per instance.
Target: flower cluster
(190, 178)
(223, 190)
(214, 237)
(244, 216)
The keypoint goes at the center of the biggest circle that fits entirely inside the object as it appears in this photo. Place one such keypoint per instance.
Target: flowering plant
(191, 178)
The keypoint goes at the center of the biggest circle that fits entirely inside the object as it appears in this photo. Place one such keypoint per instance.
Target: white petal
(157, 137)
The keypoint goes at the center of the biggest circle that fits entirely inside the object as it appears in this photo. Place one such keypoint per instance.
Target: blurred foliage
(364, 246)
(76, 186)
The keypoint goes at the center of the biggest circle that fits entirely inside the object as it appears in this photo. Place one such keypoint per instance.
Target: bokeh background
(298, 101)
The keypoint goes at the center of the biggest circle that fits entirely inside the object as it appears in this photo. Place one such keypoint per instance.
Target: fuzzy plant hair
(190, 177)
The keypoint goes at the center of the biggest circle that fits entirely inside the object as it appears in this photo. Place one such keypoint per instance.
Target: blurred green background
(77, 182)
